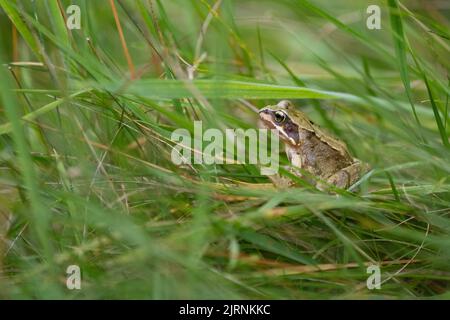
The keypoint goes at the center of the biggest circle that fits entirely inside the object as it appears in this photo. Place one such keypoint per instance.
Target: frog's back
(335, 143)
(319, 158)
(305, 123)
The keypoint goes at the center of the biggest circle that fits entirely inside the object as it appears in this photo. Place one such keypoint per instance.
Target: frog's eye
(279, 116)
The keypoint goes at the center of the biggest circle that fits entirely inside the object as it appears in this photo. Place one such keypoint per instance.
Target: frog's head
(286, 120)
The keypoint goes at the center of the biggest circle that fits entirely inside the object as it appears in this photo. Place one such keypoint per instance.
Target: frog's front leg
(285, 182)
(345, 177)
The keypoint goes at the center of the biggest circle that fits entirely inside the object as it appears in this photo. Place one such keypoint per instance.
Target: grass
(86, 176)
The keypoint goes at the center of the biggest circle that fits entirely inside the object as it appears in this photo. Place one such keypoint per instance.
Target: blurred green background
(86, 176)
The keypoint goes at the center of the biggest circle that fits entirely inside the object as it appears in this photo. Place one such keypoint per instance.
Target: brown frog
(308, 147)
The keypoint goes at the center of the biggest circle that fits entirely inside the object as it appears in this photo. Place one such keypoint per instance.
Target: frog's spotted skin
(310, 148)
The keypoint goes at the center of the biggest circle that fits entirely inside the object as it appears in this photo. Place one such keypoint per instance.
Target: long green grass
(86, 176)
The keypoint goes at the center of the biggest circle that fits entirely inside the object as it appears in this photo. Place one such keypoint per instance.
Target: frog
(310, 148)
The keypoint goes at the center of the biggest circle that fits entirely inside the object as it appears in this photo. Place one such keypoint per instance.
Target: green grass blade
(58, 22)
(267, 243)
(13, 14)
(400, 50)
(39, 215)
(437, 115)
(7, 127)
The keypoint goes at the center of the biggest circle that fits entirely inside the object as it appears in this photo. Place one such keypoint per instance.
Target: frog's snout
(263, 110)
(265, 114)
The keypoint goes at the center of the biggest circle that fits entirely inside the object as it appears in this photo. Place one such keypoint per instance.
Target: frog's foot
(344, 178)
(282, 182)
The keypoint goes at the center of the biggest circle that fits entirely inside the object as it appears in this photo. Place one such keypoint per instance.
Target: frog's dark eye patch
(279, 117)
